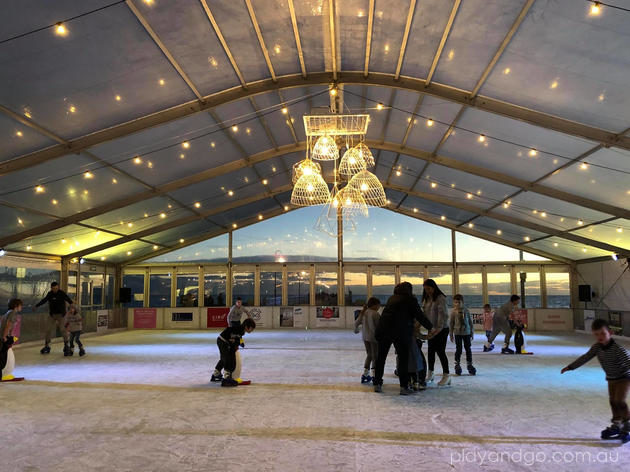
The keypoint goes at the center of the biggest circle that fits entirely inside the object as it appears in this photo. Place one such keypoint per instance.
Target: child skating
(615, 360)
(367, 322)
(73, 322)
(228, 342)
(501, 324)
(7, 358)
(462, 332)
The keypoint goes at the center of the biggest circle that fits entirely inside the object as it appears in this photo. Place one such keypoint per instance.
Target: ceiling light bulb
(129, 225)
(543, 214)
(555, 244)
(429, 122)
(39, 189)
(276, 49)
(310, 187)
(273, 169)
(155, 247)
(54, 202)
(212, 144)
(19, 220)
(433, 185)
(364, 187)
(506, 71)
(72, 109)
(114, 181)
(580, 222)
(88, 175)
(499, 232)
(398, 173)
(620, 230)
(181, 240)
(19, 134)
(379, 106)
(470, 225)
(161, 82)
(584, 249)
(234, 225)
(146, 215)
(415, 210)
(102, 258)
(481, 138)
(60, 29)
(583, 166)
(185, 144)
(285, 110)
(118, 98)
(28, 248)
(235, 128)
(527, 238)
(260, 217)
(197, 205)
(596, 9)
(554, 84)
(129, 253)
(333, 91)
(230, 193)
(614, 256)
(443, 218)
(162, 215)
(469, 196)
(137, 160)
(286, 208)
(532, 152)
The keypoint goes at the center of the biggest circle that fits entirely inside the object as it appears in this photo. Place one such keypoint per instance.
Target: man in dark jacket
(56, 300)
(395, 327)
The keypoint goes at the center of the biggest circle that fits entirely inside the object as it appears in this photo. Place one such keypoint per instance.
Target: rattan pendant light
(370, 188)
(325, 149)
(364, 152)
(351, 163)
(305, 167)
(310, 189)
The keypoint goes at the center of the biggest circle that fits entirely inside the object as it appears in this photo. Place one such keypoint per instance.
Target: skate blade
(14, 379)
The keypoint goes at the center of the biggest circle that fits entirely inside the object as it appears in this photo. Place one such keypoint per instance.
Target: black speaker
(124, 295)
(585, 293)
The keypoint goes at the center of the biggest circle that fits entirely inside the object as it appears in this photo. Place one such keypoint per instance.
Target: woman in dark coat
(396, 327)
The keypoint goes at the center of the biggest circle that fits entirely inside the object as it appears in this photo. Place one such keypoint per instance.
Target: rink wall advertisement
(328, 317)
(145, 318)
(102, 321)
(217, 317)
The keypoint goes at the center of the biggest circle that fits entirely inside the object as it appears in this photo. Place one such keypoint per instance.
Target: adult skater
(228, 343)
(396, 327)
(236, 313)
(56, 299)
(615, 360)
(501, 323)
(434, 305)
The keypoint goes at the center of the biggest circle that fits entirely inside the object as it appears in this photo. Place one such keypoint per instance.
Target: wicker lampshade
(371, 189)
(325, 149)
(352, 202)
(305, 167)
(310, 190)
(351, 163)
(364, 152)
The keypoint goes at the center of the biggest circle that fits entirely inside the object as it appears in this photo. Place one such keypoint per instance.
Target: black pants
(75, 337)
(437, 345)
(228, 356)
(220, 365)
(402, 349)
(459, 339)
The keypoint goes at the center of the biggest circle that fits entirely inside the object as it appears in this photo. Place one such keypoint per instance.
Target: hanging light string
(608, 5)
(484, 137)
(62, 22)
(240, 120)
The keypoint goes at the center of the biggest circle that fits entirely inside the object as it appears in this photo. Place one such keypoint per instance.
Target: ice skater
(228, 342)
(434, 306)
(56, 299)
(73, 322)
(7, 357)
(236, 313)
(462, 332)
(501, 324)
(417, 365)
(367, 322)
(615, 360)
(488, 314)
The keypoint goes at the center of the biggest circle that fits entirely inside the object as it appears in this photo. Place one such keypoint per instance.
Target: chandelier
(353, 187)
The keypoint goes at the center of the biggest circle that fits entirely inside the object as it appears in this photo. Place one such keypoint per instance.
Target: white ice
(142, 401)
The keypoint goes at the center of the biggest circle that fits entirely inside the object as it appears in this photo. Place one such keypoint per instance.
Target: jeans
(75, 337)
(465, 339)
(617, 393)
(402, 349)
(51, 325)
(437, 345)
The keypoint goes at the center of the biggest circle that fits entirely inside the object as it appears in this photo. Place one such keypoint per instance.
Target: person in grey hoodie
(462, 332)
(73, 322)
(434, 306)
(367, 321)
(501, 323)
(236, 313)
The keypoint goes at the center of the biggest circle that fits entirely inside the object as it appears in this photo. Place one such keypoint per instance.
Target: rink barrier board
(276, 317)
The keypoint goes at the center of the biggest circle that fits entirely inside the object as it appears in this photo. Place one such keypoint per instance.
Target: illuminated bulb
(379, 106)
(28, 248)
(389, 202)
(584, 249)
(286, 208)
(265, 181)
(39, 189)
(398, 173)
(137, 160)
(234, 225)
(506, 71)
(554, 84)
(273, 169)
(535, 212)
(155, 247)
(248, 130)
(129, 253)
(19, 134)
(276, 49)
(364, 187)
(580, 222)
(182, 156)
(333, 91)
(415, 210)
(61, 30)
(114, 181)
(161, 82)
(532, 152)
(469, 196)
(583, 166)
(129, 225)
(620, 230)
(614, 256)
(20, 222)
(235, 128)
(170, 206)
(499, 232)
(230, 193)
(102, 258)
(310, 187)
(72, 109)
(601, 97)
(197, 205)
(543, 214)
(555, 244)
(85, 192)
(54, 202)
(433, 185)
(146, 215)
(596, 9)
(97, 234)
(443, 218)
(212, 144)
(88, 175)
(118, 98)
(285, 110)
(149, 2)
(481, 138)
(470, 225)
(527, 238)
(162, 215)
(27, 114)
(478, 192)
(185, 144)
(260, 217)
(181, 240)
(335, 203)
(387, 48)
(562, 219)
(429, 122)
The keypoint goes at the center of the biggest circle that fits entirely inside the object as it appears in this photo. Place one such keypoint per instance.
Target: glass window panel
(443, 277)
(499, 287)
(285, 238)
(211, 250)
(270, 288)
(558, 289)
(299, 286)
(26, 283)
(96, 285)
(187, 290)
(533, 297)
(243, 286)
(383, 285)
(72, 284)
(355, 286)
(415, 276)
(388, 236)
(326, 288)
(109, 291)
(160, 290)
(136, 283)
(472, 249)
(214, 290)
(86, 292)
(471, 287)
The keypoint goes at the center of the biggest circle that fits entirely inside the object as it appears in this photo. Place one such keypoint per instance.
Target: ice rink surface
(142, 401)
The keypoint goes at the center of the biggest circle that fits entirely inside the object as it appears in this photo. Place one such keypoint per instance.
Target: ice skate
(229, 382)
(445, 381)
(67, 351)
(625, 427)
(216, 376)
(458, 369)
(429, 377)
(406, 391)
(487, 347)
(45, 350)
(472, 370)
(614, 431)
(366, 378)
(378, 388)
(422, 385)
(81, 352)
(506, 350)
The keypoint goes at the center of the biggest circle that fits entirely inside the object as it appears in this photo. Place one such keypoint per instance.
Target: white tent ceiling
(150, 121)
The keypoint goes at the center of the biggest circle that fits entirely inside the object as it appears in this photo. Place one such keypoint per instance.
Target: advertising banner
(102, 320)
(299, 316)
(327, 317)
(520, 316)
(589, 317)
(144, 318)
(287, 316)
(217, 317)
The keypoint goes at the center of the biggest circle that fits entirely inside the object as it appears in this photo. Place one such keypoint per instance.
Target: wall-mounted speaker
(585, 293)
